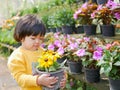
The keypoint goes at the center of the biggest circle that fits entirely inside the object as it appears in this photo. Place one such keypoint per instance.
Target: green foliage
(110, 62)
(5, 52)
(6, 36)
(75, 84)
(65, 16)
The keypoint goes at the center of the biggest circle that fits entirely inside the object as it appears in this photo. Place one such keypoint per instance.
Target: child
(30, 32)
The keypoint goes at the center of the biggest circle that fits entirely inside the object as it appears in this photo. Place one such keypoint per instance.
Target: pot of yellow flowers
(47, 64)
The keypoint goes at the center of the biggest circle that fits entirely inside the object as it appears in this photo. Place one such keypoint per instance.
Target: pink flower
(117, 15)
(60, 51)
(97, 55)
(86, 39)
(75, 16)
(111, 4)
(108, 46)
(51, 47)
(57, 43)
(80, 52)
(73, 46)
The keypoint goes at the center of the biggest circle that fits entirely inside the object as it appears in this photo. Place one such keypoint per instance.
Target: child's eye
(33, 38)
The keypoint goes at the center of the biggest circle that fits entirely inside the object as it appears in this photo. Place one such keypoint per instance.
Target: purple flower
(60, 51)
(42, 45)
(100, 7)
(73, 46)
(56, 35)
(100, 49)
(86, 38)
(117, 15)
(75, 16)
(71, 83)
(57, 43)
(84, 5)
(80, 52)
(93, 15)
(97, 55)
(51, 47)
(111, 4)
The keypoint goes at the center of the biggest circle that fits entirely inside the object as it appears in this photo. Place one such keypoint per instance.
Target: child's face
(32, 42)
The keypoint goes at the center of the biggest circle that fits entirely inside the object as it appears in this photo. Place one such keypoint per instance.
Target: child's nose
(37, 41)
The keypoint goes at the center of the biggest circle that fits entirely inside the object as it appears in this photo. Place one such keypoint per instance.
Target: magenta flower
(42, 45)
(97, 55)
(100, 49)
(75, 16)
(99, 7)
(111, 4)
(108, 46)
(60, 51)
(56, 35)
(80, 52)
(86, 39)
(57, 43)
(73, 46)
(117, 15)
(84, 5)
(51, 47)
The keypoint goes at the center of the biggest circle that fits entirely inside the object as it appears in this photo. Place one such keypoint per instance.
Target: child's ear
(22, 39)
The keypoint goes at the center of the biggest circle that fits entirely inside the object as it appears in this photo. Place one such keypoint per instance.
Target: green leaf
(117, 63)
(80, 88)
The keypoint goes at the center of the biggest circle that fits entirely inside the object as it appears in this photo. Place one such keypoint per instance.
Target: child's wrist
(37, 80)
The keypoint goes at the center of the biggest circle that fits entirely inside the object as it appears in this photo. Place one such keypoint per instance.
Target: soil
(6, 80)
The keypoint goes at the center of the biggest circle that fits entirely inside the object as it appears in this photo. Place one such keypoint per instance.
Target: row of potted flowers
(93, 53)
(93, 14)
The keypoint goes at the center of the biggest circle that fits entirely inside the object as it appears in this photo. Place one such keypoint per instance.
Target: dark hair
(29, 25)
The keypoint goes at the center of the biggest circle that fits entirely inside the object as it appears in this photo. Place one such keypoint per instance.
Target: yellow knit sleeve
(16, 65)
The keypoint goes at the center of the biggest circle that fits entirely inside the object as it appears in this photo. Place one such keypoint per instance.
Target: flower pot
(58, 74)
(75, 67)
(67, 29)
(60, 60)
(114, 84)
(47, 30)
(58, 29)
(90, 29)
(93, 1)
(53, 30)
(107, 30)
(79, 29)
(101, 1)
(92, 75)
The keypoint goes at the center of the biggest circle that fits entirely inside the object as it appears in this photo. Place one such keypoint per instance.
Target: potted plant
(51, 23)
(74, 62)
(65, 17)
(47, 63)
(101, 1)
(56, 42)
(83, 17)
(110, 64)
(106, 17)
(92, 53)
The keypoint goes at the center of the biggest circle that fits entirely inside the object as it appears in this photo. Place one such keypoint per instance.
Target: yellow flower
(8, 24)
(47, 59)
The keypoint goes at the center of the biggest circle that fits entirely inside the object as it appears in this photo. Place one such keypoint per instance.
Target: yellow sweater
(19, 64)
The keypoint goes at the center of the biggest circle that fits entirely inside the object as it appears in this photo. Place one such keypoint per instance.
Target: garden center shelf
(103, 84)
(116, 37)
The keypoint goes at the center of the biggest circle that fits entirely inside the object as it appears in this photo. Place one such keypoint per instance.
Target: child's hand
(63, 81)
(46, 80)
